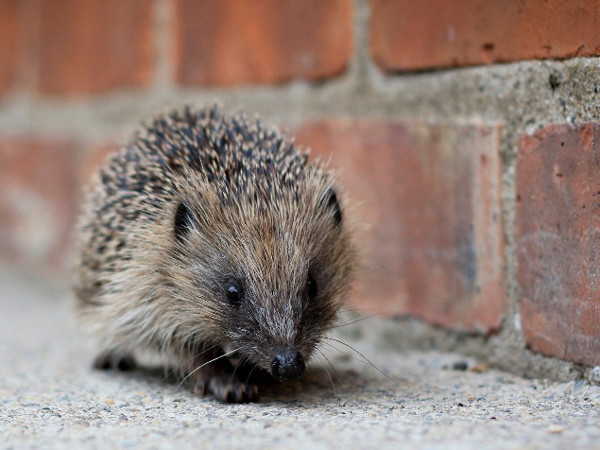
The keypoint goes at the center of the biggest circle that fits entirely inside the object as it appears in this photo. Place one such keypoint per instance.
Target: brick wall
(466, 133)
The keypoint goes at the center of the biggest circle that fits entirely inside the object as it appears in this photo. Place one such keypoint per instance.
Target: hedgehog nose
(287, 365)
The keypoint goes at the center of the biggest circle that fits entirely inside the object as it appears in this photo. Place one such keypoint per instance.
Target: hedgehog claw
(227, 389)
(219, 380)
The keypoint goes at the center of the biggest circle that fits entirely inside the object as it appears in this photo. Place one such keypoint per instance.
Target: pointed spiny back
(235, 156)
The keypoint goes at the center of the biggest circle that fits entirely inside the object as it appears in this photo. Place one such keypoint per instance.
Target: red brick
(558, 238)
(428, 198)
(232, 42)
(8, 44)
(413, 35)
(87, 46)
(37, 201)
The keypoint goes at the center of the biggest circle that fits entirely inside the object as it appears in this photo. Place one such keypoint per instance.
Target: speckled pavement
(50, 398)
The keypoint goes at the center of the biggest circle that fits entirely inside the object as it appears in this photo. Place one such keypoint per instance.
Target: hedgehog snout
(287, 364)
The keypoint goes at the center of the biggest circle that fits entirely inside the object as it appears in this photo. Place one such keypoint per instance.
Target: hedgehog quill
(214, 242)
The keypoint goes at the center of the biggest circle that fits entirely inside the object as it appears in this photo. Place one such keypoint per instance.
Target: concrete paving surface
(51, 398)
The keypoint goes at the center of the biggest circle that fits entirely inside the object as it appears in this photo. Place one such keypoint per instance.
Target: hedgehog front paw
(226, 388)
(115, 361)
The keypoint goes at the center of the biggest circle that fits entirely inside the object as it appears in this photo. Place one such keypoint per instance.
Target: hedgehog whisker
(364, 359)
(169, 373)
(241, 362)
(343, 353)
(357, 310)
(224, 355)
(232, 377)
(250, 374)
(320, 350)
(205, 350)
(327, 370)
(351, 322)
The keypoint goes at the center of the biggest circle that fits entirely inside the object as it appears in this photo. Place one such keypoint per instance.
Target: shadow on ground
(317, 382)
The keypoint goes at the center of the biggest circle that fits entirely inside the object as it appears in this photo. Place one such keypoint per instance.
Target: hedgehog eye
(331, 202)
(234, 292)
(311, 287)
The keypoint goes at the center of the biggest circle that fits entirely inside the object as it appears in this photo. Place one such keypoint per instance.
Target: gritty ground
(51, 398)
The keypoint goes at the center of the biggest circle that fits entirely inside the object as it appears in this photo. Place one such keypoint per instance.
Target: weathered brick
(8, 44)
(37, 201)
(428, 198)
(558, 237)
(86, 46)
(234, 42)
(413, 35)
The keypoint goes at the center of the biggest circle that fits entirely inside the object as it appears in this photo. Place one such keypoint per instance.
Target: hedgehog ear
(330, 201)
(183, 221)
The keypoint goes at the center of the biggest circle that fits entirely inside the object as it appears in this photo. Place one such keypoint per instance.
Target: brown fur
(255, 211)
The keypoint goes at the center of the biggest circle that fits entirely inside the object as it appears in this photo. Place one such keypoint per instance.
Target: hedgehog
(214, 242)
